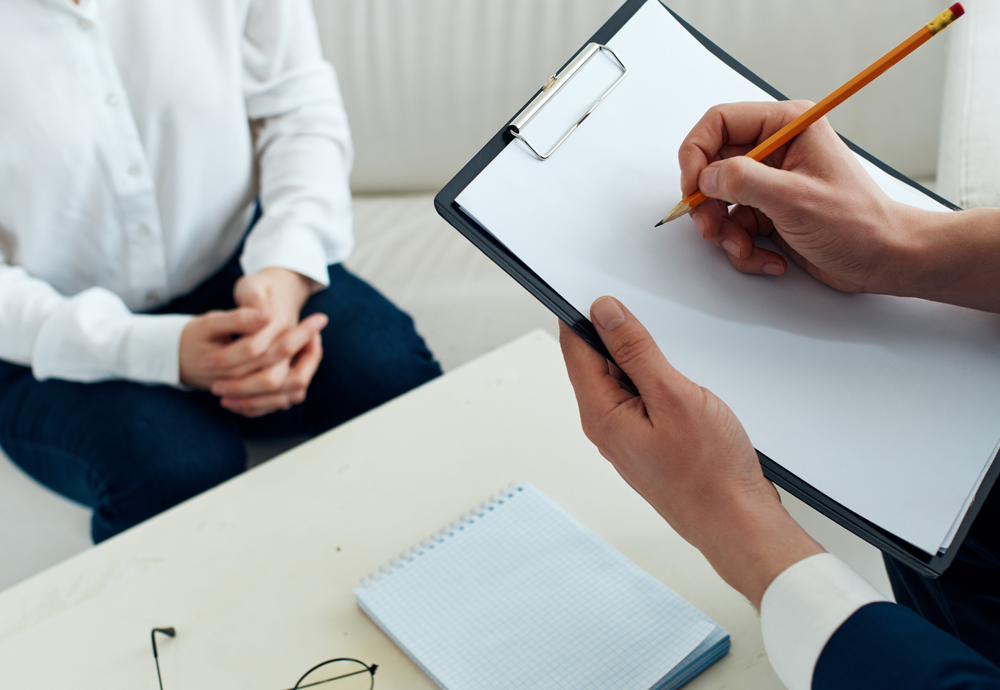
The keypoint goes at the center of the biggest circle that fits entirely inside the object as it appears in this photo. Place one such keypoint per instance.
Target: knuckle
(283, 350)
(740, 265)
(716, 112)
(732, 176)
(247, 349)
(273, 379)
(708, 225)
(256, 347)
(592, 430)
(801, 105)
(633, 350)
(248, 317)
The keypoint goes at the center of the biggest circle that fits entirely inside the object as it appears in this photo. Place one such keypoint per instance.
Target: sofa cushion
(464, 305)
(969, 156)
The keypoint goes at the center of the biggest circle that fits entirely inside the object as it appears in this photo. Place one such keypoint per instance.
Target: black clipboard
(929, 565)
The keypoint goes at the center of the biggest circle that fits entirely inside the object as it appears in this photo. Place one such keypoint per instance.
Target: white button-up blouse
(135, 137)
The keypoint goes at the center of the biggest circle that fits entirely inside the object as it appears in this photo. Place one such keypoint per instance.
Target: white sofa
(427, 82)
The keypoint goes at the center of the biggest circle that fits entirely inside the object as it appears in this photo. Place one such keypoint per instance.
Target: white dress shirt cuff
(801, 610)
(93, 336)
(152, 348)
(296, 249)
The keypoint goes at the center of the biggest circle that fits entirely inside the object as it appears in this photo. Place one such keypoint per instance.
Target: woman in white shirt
(143, 328)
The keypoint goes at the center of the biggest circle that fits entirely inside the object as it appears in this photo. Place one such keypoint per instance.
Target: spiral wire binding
(438, 537)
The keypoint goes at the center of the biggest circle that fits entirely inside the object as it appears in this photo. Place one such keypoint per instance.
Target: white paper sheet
(888, 405)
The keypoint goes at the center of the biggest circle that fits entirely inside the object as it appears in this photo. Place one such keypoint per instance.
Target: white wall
(457, 70)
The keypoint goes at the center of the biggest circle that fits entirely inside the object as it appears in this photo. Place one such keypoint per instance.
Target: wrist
(296, 287)
(903, 269)
(751, 541)
(899, 250)
(950, 257)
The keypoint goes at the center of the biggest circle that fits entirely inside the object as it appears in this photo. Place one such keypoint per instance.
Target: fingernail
(709, 180)
(699, 222)
(733, 248)
(773, 269)
(607, 313)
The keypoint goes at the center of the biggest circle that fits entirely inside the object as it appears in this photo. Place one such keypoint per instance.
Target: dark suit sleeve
(885, 646)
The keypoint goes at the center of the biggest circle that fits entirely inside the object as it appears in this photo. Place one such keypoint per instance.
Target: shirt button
(152, 297)
(134, 170)
(85, 24)
(145, 230)
(112, 99)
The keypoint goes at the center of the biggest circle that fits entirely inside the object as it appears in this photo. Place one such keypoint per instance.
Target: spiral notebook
(518, 594)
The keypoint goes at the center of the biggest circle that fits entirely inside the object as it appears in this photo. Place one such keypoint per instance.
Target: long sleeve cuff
(803, 608)
(94, 337)
(152, 348)
(296, 249)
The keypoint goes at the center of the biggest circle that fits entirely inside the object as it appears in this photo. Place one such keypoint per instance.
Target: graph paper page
(523, 596)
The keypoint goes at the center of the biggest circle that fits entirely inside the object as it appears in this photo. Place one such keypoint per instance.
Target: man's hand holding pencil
(811, 197)
(814, 113)
(816, 202)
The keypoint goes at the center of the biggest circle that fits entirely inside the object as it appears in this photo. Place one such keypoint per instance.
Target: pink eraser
(957, 9)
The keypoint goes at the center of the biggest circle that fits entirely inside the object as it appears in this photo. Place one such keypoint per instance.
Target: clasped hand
(257, 358)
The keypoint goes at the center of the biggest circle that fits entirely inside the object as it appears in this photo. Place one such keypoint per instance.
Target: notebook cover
(520, 594)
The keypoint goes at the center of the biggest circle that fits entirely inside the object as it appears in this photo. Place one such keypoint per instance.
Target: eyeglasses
(353, 674)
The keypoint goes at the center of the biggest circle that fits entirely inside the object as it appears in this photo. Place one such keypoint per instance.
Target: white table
(256, 575)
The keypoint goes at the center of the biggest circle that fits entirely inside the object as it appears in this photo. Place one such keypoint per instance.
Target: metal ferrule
(941, 21)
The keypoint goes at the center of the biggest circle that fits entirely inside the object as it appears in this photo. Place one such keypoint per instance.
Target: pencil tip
(678, 211)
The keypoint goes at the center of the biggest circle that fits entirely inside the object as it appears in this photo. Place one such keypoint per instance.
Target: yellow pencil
(799, 124)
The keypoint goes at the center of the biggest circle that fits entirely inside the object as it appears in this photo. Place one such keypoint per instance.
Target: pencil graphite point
(678, 211)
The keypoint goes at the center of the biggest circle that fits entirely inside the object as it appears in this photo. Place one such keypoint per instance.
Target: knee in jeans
(169, 474)
(158, 480)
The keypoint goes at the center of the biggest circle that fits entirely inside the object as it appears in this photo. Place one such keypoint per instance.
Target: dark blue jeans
(130, 451)
(965, 601)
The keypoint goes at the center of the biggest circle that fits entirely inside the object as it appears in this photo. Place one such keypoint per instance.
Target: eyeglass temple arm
(169, 632)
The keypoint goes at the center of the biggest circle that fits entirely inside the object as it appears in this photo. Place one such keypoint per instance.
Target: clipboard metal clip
(552, 87)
